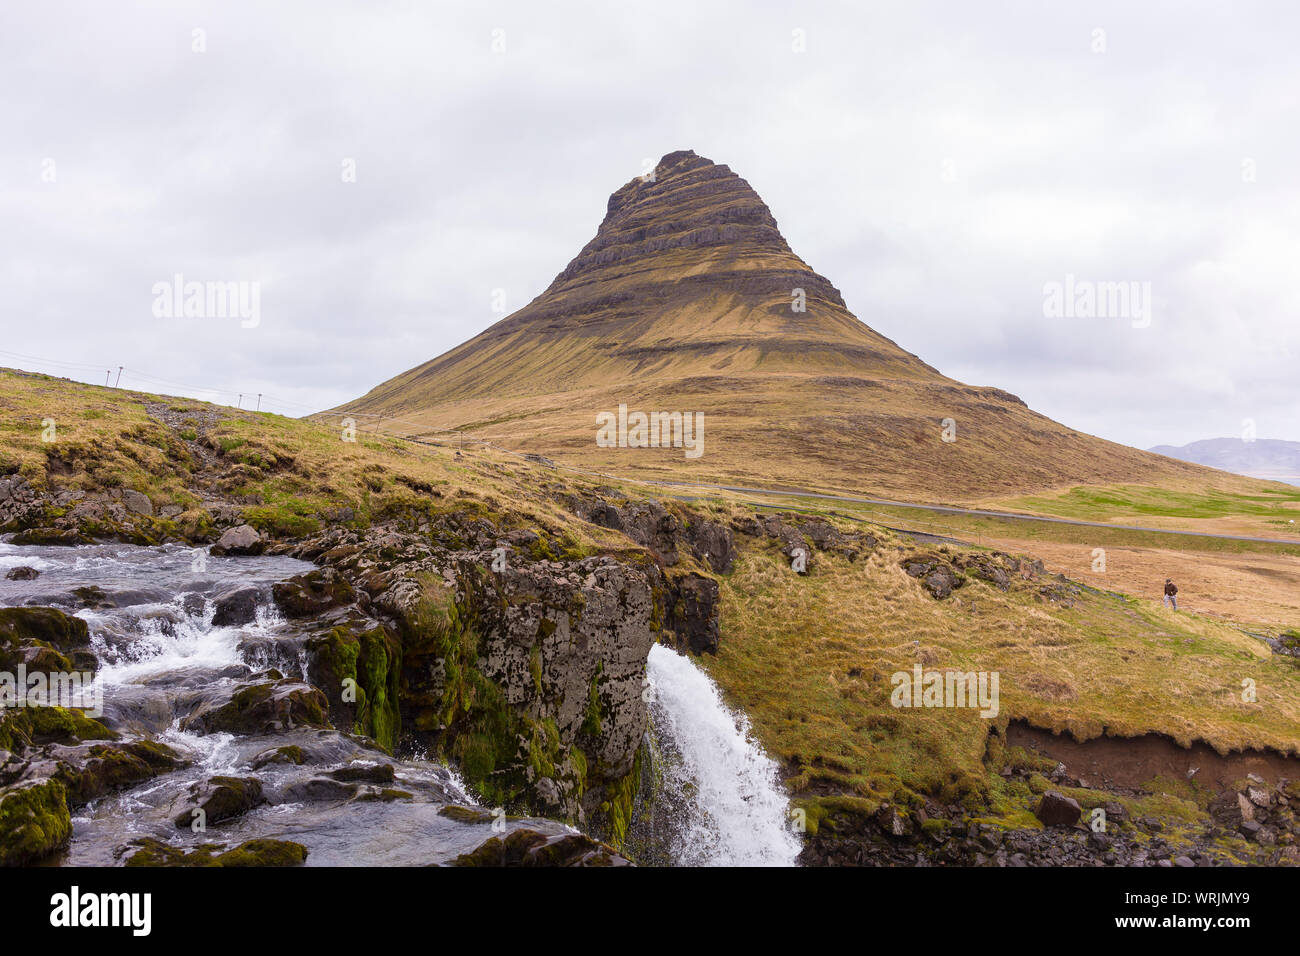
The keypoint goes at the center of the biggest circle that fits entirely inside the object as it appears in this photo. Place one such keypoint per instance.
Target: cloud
(939, 164)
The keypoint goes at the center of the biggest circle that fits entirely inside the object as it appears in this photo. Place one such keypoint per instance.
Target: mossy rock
(288, 754)
(265, 707)
(113, 767)
(461, 814)
(28, 726)
(34, 822)
(361, 673)
(49, 536)
(48, 626)
(308, 595)
(251, 853)
(220, 799)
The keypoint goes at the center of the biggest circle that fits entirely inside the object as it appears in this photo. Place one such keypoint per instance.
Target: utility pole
(108, 374)
(119, 377)
(259, 401)
(240, 403)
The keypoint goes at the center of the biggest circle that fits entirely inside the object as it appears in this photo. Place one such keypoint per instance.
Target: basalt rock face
(529, 673)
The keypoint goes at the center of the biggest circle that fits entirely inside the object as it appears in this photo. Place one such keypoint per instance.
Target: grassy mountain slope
(685, 300)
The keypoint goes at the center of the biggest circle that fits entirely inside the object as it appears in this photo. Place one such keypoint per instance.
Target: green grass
(1140, 501)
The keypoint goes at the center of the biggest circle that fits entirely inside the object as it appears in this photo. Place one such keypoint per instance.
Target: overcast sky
(940, 165)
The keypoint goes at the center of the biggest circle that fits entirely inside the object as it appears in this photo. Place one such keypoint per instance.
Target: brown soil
(1129, 763)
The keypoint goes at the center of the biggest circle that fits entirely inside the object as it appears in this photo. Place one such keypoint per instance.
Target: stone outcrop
(529, 673)
(525, 847)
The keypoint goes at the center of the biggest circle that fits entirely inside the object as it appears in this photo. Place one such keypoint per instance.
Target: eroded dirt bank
(1132, 763)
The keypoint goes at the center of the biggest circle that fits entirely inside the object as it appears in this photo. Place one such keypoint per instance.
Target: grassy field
(1271, 510)
(810, 659)
(289, 475)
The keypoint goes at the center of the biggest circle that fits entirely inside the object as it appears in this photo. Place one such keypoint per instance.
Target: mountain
(1268, 458)
(689, 300)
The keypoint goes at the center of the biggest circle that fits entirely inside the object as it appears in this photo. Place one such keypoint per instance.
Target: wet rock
(359, 673)
(153, 852)
(1057, 810)
(44, 638)
(218, 799)
(525, 847)
(693, 613)
(34, 822)
(51, 536)
(289, 754)
(25, 727)
(465, 814)
(23, 573)
(112, 767)
(263, 707)
(239, 607)
(314, 593)
(319, 790)
(241, 541)
(365, 773)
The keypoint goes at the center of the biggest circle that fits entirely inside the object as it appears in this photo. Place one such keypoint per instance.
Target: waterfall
(717, 792)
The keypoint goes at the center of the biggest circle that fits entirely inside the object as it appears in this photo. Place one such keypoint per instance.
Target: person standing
(1171, 594)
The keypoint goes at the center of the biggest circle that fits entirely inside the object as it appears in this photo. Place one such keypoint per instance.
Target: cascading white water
(728, 807)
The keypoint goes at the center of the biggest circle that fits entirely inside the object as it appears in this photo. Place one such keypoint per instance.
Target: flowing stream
(151, 612)
(161, 657)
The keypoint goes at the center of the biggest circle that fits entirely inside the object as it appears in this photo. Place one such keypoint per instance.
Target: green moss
(34, 822)
(619, 803)
(372, 661)
(836, 812)
(591, 721)
(24, 726)
(251, 853)
(465, 814)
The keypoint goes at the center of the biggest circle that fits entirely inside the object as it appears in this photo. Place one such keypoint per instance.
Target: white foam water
(730, 807)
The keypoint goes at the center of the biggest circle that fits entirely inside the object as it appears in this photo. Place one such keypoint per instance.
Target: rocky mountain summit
(688, 298)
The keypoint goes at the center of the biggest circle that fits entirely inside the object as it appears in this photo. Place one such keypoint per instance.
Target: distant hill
(1269, 458)
(689, 300)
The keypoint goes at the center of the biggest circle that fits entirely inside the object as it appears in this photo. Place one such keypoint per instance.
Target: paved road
(942, 509)
(977, 512)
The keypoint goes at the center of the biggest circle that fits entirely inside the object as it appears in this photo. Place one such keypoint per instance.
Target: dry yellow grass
(1251, 588)
(810, 661)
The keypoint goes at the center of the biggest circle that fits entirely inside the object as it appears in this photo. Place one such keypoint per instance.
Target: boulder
(1057, 810)
(262, 852)
(34, 822)
(219, 799)
(262, 707)
(237, 607)
(116, 766)
(137, 503)
(308, 595)
(525, 847)
(23, 573)
(242, 541)
(44, 638)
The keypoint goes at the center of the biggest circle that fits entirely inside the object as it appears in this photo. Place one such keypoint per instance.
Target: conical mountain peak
(688, 298)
